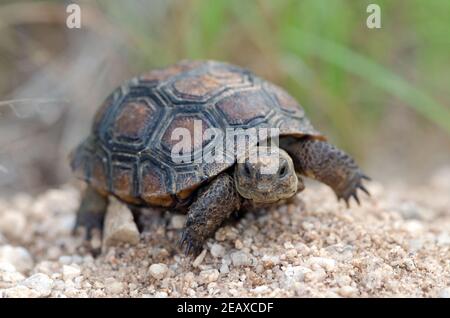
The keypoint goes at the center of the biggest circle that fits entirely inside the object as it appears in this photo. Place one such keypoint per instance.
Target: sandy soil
(396, 244)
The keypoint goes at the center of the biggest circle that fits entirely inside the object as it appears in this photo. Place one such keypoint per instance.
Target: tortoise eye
(283, 171)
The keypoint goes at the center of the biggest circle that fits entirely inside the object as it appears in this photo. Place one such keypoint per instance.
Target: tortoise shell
(128, 153)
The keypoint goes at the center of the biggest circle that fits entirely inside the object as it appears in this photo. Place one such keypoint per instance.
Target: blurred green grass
(348, 77)
(321, 51)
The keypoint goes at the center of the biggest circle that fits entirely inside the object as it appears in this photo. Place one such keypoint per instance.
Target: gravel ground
(396, 244)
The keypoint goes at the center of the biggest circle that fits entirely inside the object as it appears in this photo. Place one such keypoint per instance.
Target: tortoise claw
(347, 203)
(350, 191)
(355, 196)
(189, 244)
(363, 188)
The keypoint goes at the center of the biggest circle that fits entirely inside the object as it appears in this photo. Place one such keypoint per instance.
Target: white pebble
(8, 274)
(224, 269)
(270, 260)
(415, 244)
(444, 293)
(347, 291)
(260, 289)
(12, 224)
(209, 275)
(71, 271)
(328, 264)
(119, 225)
(413, 227)
(7, 267)
(17, 256)
(199, 259)
(291, 254)
(443, 239)
(217, 250)
(158, 271)
(40, 283)
(19, 291)
(65, 259)
(161, 294)
(288, 245)
(112, 286)
(240, 259)
(295, 274)
(177, 221)
(317, 275)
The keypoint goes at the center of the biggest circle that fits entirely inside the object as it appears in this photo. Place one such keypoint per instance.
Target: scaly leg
(326, 163)
(212, 206)
(91, 213)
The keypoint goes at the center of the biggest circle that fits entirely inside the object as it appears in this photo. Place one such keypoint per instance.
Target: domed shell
(129, 152)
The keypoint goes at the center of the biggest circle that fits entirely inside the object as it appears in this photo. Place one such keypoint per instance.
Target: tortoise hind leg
(91, 213)
(326, 163)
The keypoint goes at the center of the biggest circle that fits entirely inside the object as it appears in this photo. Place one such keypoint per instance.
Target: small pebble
(17, 256)
(210, 275)
(260, 290)
(9, 275)
(224, 269)
(119, 225)
(295, 274)
(270, 261)
(161, 294)
(40, 283)
(65, 259)
(12, 224)
(199, 259)
(347, 291)
(113, 286)
(327, 263)
(443, 239)
(238, 244)
(217, 250)
(158, 271)
(19, 291)
(71, 271)
(444, 293)
(177, 221)
(240, 259)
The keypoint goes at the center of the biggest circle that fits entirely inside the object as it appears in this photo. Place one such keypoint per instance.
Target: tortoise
(129, 153)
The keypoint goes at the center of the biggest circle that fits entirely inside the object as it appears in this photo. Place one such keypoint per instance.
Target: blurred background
(381, 94)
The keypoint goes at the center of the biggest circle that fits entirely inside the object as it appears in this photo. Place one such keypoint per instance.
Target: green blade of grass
(306, 43)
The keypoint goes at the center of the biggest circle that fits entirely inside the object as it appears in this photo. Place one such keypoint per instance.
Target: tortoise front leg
(91, 213)
(326, 163)
(212, 206)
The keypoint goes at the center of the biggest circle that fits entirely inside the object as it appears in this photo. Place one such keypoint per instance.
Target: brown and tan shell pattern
(129, 151)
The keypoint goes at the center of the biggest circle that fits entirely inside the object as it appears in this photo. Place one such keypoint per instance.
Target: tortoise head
(266, 175)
